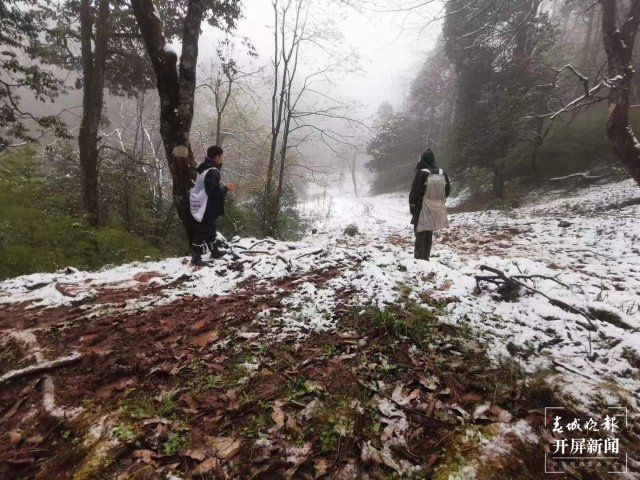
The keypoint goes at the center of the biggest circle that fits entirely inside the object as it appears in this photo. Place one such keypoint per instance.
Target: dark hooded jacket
(425, 167)
(215, 191)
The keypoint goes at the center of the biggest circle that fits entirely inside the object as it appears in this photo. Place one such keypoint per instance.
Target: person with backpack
(429, 192)
(207, 204)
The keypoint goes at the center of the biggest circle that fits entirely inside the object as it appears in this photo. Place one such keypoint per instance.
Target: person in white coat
(429, 191)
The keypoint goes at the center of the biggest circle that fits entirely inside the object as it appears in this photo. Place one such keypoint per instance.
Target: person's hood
(208, 163)
(427, 160)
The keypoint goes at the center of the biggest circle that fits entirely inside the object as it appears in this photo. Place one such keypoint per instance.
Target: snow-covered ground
(587, 243)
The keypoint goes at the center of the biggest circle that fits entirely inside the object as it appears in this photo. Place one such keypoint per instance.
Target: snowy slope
(594, 254)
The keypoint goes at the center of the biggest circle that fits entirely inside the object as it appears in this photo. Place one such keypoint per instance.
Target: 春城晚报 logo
(585, 442)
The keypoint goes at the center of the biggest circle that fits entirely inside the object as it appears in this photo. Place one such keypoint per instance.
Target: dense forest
(102, 121)
(510, 95)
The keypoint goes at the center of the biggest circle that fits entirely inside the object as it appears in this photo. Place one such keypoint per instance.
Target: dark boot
(196, 256)
(215, 251)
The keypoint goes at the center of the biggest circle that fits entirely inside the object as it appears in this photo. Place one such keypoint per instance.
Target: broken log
(40, 368)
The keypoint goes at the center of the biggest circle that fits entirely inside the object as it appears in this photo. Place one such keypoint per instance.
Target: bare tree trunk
(618, 44)
(595, 50)
(353, 176)
(283, 166)
(430, 126)
(537, 141)
(93, 66)
(221, 108)
(176, 90)
(277, 104)
(281, 107)
(586, 47)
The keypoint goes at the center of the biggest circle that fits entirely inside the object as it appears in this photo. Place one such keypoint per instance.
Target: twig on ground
(584, 175)
(40, 367)
(595, 253)
(266, 240)
(314, 252)
(544, 277)
(557, 364)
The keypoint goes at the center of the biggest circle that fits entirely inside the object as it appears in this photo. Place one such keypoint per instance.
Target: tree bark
(176, 89)
(277, 106)
(93, 67)
(618, 44)
(537, 141)
(220, 108)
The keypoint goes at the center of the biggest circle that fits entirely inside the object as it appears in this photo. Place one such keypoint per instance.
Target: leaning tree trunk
(177, 91)
(93, 67)
(353, 176)
(618, 45)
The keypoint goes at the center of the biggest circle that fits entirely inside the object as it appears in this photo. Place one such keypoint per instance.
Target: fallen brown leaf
(205, 467)
(225, 447)
(15, 437)
(198, 454)
(470, 397)
(499, 414)
(320, 467)
(206, 338)
(277, 415)
(431, 408)
(145, 455)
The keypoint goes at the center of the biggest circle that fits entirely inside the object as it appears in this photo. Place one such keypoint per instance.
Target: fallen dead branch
(560, 365)
(595, 253)
(40, 368)
(313, 252)
(501, 279)
(48, 387)
(582, 175)
(266, 240)
(543, 277)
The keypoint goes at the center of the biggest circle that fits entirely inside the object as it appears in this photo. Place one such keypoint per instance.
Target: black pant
(424, 241)
(205, 236)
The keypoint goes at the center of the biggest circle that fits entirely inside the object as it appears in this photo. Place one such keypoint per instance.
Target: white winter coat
(434, 212)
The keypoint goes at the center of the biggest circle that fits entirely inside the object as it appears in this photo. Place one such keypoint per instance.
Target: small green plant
(174, 444)
(336, 427)
(411, 320)
(123, 432)
(138, 405)
(328, 440)
(329, 350)
(205, 382)
(300, 388)
(168, 408)
(258, 423)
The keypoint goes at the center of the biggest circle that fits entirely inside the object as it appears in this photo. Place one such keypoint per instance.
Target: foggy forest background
(105, 110)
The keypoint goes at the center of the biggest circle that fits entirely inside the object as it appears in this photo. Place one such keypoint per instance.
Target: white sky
(390, 54)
